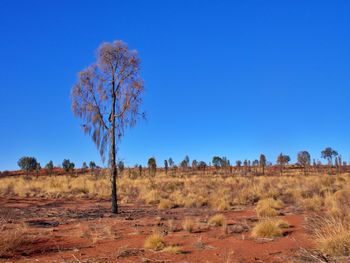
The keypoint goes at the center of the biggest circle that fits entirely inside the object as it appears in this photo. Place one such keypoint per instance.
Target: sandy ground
(83, 230)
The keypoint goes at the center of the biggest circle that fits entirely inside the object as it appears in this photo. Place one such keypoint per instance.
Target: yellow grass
(188, 225)
(217, 220)
(268, 229)
(155, 242)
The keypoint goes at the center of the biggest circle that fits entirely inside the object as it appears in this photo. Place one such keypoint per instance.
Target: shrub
(173, 250)
(267, 229)
(217, 220)
(27, 164)
(313, 204)
(188, 225)
(266, 211)
(273, 203)
(155, 242)
(165, 204)
(342, 202)
(267, 207)
(332, 235)
(282, 224)
(13, 241)
(337, 245)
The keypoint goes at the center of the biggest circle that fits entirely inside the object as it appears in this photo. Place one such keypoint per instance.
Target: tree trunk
(113, 164)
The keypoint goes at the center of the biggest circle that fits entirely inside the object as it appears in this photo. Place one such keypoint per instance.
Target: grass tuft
(155, 242)
(267, 229)
(217, 220)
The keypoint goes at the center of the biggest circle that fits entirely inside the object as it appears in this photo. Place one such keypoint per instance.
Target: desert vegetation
(314, 206)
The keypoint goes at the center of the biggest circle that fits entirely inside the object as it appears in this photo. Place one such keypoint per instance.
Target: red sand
(126, 233)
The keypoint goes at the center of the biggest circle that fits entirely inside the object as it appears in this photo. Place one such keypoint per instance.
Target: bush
(172, 250)
(332, 234)
(313, 204)
(165, 204)
(27, 164)
(266, 211)
(67, 165)
(14, 241)
(267, 229)
(188, 225)
(217, 220)
(267, 207)
(155, 242)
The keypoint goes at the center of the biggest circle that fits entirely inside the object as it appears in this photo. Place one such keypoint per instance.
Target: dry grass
(172, 250)
(332, 234)
(329, 194)
(267, 207)
(282, 224)
(268, 229)
(155, 242)
(217, 220)
(188, 225)
(98, 232)
(314, 203)
(16, 240)
(217, 193)
(165, 204)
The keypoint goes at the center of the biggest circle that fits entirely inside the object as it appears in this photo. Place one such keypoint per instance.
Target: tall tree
(262, 163)
(238, 165)
(304, 159)
(49, 166)
(92, 166)
(217, 161)
(328, 154)
(121, 166)
(171, 162)
(166, 166)
(282, 160)
(187, 160)
(152, 166)
(67, 165)
(202, 165)
(194, 164)
(107, 98)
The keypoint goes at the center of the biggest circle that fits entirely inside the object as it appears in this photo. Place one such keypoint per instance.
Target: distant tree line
(220, 165)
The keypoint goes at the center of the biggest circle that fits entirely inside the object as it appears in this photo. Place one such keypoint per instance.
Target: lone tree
(107, 98)
(304, 159)
(28, 164)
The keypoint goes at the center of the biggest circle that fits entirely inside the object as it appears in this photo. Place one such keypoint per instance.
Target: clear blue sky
(228, 78)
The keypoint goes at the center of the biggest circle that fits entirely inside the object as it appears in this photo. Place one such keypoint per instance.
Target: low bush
(155, 242)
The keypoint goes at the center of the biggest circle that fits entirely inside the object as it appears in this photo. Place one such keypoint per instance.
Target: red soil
(69, 242)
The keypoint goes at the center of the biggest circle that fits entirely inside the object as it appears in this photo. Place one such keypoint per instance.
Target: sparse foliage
(107, 98)
(282, 160)
(304, 159)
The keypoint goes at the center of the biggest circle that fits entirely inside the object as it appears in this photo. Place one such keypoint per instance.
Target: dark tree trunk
(114, 171)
